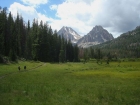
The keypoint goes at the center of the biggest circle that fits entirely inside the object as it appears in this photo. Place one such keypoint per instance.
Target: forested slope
(126, 45)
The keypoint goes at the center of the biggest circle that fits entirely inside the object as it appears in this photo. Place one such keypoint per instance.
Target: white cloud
(43, 17)
(53, 7)
(77, 1)
(27, 12)
(77, 15)
(34, 2)
(117, 16)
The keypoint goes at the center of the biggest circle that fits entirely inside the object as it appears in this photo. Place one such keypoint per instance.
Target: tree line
(36, 41)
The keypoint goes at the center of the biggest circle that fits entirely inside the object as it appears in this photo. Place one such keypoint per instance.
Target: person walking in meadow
(24, 67)
(19, 68)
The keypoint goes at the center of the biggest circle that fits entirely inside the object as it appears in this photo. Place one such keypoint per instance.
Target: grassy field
(70, 84)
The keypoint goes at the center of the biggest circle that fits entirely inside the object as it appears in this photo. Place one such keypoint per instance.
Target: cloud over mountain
(117, 16)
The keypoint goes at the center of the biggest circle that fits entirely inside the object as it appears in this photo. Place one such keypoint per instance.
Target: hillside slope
(126, 45)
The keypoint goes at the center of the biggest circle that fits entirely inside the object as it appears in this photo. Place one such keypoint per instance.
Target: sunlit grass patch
(124, 70)
(119, 74)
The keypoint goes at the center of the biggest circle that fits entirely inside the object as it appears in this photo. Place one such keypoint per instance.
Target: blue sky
(43, 8)
(116, 16)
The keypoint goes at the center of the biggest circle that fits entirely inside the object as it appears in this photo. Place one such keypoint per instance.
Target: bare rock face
(69, 34)
(96, 36)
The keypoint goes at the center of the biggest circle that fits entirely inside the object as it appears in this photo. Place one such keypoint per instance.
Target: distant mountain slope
(96, 36)
(125, 45)
(69, 34)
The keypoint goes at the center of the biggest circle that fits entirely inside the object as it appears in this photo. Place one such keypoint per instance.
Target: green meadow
(70, 83)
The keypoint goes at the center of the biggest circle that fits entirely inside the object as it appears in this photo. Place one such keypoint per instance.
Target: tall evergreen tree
(62, 54)
(29, 43)
(76, 52)
(13, 55)
(7, 35)
(35, 44)
(3, 21)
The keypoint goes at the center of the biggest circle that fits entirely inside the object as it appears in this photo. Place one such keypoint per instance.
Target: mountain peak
(66, 28)
(69, 34)
(98, 27)
(96, 36)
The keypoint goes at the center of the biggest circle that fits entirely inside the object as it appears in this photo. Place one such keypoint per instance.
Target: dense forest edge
(32, 41)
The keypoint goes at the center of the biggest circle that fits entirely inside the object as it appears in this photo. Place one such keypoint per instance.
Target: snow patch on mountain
(69, 34)
(96, 36)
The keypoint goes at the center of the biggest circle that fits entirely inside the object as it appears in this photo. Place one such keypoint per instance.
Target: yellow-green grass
(71, 84)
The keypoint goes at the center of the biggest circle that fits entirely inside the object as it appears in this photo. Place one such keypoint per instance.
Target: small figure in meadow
(24, 67)
(19, 68)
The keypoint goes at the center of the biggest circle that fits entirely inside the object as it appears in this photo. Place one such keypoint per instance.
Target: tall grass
(72, 84)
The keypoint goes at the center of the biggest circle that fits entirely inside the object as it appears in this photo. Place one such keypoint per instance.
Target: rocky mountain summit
(69, 34)
(96, 36)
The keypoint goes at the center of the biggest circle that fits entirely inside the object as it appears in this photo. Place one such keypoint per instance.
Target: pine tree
(35, 45)
(85, 55)
(7, 36)
(62, 53)
(92, 52)
(13, 55)
(2, 29)
(29, 43)
(76, 53)
(54, 47)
